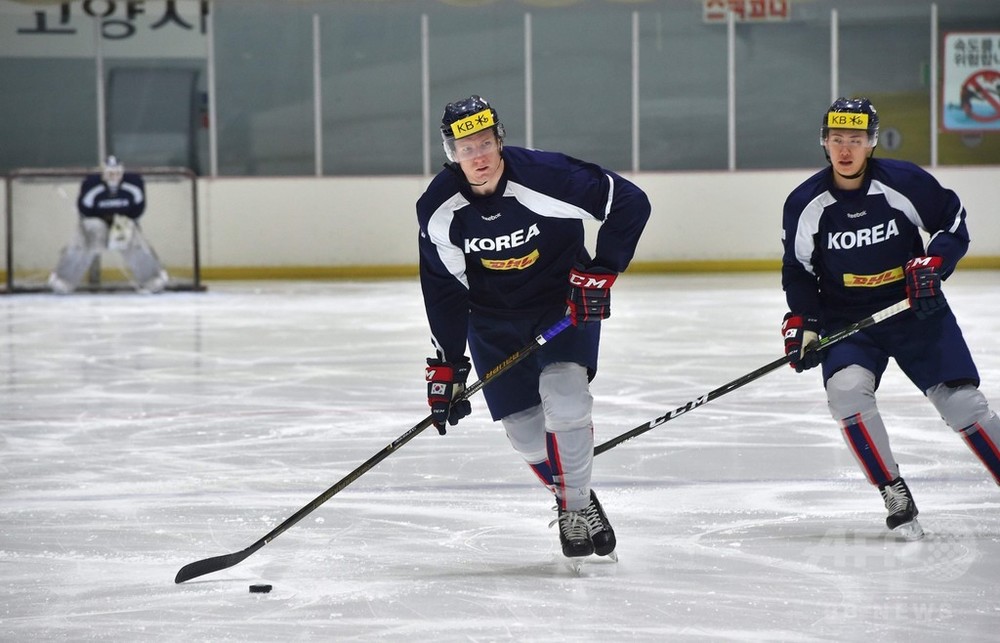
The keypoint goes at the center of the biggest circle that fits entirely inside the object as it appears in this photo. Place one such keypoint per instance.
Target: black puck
(260, 588)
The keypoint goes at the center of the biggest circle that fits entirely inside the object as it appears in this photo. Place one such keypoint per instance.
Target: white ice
(142, 433)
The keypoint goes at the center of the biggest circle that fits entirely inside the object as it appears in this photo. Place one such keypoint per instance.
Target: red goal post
(40, 217)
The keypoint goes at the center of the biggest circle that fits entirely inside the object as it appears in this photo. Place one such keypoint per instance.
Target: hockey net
(41, 218)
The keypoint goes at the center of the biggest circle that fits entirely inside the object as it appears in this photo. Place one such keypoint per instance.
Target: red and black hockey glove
(589, 298)
(801, 335)
(445, 382)
(923, 286)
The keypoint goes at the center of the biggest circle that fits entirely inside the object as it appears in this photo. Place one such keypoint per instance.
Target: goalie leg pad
(851, 399)
(93, 233)
(90, 239)
(142, 262)
(965, 409)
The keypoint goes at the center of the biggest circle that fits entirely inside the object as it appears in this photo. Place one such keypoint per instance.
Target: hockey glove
(589, 298)
(801, 335)
(923, 286)
(445, 382)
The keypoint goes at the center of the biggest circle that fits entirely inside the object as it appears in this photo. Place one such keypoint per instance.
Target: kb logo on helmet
(844, 120)
(471, 125)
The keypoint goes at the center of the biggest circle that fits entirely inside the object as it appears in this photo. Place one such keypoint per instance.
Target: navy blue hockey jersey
(844, 251)
(509, 254)
(97, 200)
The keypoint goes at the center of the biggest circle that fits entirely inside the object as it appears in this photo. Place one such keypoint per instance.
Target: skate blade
(910, 531)
(613, 556)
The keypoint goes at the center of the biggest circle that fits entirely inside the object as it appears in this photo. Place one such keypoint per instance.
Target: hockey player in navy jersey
(110, 204)
(502, 258)
(853, 246)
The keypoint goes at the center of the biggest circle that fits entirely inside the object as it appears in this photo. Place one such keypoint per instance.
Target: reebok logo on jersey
(492, 217)
(870, 281)
(503, 242)
(856, 215)
(517, 263)
(864, 237)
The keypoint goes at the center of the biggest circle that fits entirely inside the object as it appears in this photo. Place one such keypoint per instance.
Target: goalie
(110, 204)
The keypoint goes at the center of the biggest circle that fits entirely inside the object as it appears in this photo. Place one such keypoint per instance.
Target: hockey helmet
(467, 117)
(112, 172)
(851, 113)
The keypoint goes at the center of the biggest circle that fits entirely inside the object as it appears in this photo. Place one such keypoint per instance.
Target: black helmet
(466, 117)
(851, 113)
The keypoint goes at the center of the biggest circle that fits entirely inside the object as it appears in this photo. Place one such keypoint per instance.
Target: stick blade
(213, 564)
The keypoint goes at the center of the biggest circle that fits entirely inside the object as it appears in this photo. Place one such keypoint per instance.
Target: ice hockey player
(110, 204)
(502, 258)
(853, 246)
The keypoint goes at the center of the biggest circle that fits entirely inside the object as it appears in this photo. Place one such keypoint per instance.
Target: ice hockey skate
(902, 518)
(601, 532)
(574, 533)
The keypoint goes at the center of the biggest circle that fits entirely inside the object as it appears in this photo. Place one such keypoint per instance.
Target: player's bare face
(479, 157)
(849, 151)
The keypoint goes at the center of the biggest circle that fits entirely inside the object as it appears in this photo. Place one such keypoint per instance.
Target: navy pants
(492, 340)
(929, 351)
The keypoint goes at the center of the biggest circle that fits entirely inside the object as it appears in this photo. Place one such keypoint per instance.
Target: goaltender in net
(110, 204)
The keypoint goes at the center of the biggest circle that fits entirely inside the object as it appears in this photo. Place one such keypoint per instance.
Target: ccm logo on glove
(589, 297)
(584, 280)
(923, 286)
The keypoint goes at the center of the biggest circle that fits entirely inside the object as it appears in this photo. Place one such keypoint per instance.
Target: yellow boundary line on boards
(400, 271)
(313, 273)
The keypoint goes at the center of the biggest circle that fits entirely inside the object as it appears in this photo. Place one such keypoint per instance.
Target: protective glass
(853, 140)
(464, 149)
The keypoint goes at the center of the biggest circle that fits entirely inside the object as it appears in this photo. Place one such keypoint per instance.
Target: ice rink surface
(142, 433)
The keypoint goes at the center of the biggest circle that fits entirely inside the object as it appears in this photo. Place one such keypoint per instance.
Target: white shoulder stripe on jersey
(957, 221)
(134, 191)
(808, 226)
(897, 200)
(903, 204)
(611, 195)
(545, 205)
(959, 215)
(91, 195)
(438, 228)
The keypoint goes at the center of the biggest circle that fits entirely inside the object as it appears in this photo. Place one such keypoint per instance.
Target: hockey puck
(260, 589)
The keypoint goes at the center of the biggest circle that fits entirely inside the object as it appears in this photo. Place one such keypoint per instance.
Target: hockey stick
(216, 563)
(825, 342)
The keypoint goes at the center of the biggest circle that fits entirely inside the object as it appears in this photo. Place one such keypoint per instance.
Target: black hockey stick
(749, 377)
(216, 563)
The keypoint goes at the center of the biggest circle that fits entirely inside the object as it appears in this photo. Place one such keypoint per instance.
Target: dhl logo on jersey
(870, 281)
(517, 263)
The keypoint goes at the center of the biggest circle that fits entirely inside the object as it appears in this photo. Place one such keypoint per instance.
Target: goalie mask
(851, 114)
(464, 118)
(112, 173)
